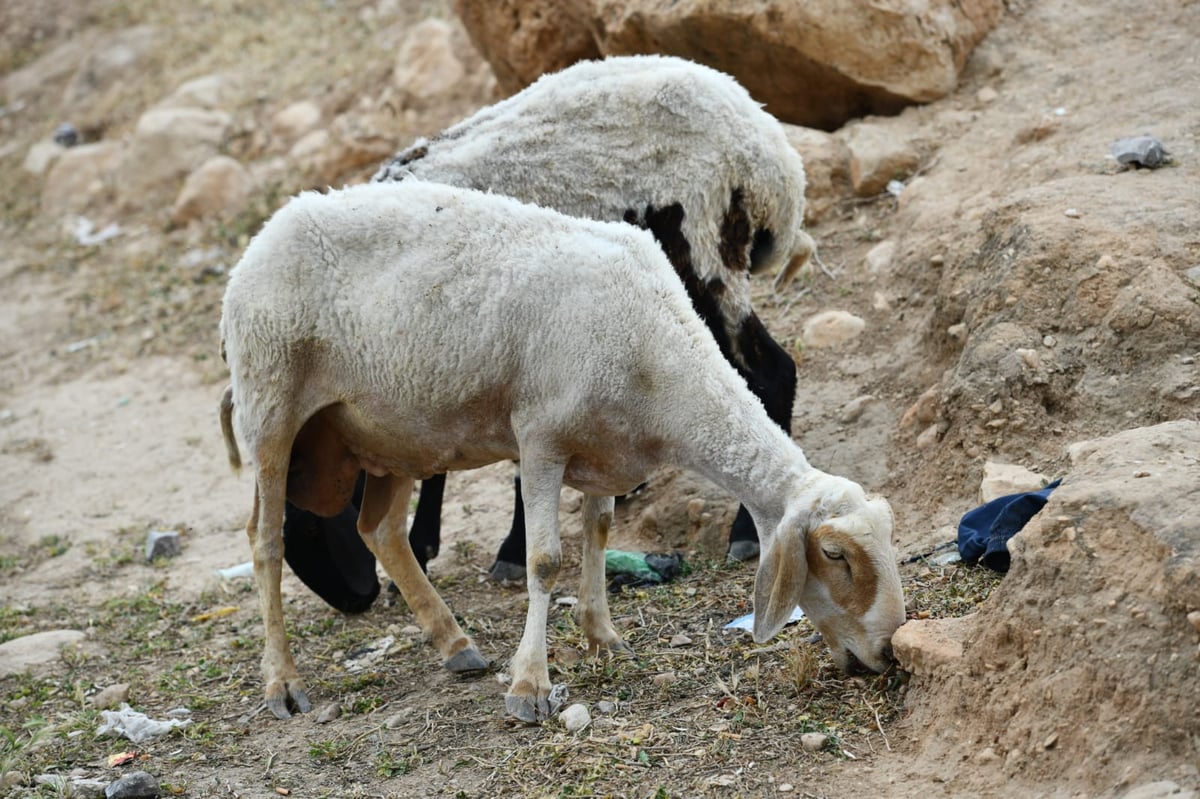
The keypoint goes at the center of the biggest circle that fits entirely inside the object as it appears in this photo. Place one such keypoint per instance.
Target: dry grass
(715, 715)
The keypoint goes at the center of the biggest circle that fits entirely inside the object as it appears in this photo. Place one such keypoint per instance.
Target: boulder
(297, 119)
(1002, 479)
(427, 66)
(220, 188)
(1094, 613)
(523, 40)
(167, 145)
(81, 177)
(816, 64)
(877, 156)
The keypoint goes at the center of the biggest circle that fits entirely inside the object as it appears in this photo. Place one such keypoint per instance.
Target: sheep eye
(833, 555)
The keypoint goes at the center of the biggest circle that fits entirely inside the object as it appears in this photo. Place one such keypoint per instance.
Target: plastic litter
(635, 568)
(87, 235)
(747, 622)
(241, 570)
(66, 135)
(162, 544)
(135, 726)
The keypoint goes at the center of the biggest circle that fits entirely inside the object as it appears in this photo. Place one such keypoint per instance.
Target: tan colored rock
(523, 40)
(923, 646)
(167, 145)
(826, 169)
(876, 157)
(220, 188)
(50, 68)
(334, 155)
(832, 328)
(427, 66)
(816, 64)
(924, 410)
(211, 92)
(296, 120)
(38, 652)
(80, 178)
(1002, 479)
(879, 257)
(40, 157)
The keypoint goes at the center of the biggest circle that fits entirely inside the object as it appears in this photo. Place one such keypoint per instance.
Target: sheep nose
(887, 653)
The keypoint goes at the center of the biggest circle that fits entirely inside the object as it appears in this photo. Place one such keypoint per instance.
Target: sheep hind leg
(265, 531)
(592, 611)
(382, 523)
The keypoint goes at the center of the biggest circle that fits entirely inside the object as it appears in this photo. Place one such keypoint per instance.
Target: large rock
(523, 40)
(221, 188)
(167, 145)
(80, 178)
(1085, 652)
(37, 653)
(110, 61)
(815, 64)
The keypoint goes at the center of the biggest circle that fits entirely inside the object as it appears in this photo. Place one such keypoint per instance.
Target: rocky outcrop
(816, 64)
(1099, 610)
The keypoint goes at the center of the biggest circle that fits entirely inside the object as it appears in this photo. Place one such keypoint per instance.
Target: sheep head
(832, 555)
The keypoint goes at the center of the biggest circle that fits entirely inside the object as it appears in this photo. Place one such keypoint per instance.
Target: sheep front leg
(382, 524)
(528, 699)
(265, 531)
(592, 610)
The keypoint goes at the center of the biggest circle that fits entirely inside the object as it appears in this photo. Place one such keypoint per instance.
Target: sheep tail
(231, 447)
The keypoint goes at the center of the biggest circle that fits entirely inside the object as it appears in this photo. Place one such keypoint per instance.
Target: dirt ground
(109, 380)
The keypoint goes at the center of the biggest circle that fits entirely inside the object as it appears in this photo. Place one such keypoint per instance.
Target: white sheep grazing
(414, 329)
(664, 143)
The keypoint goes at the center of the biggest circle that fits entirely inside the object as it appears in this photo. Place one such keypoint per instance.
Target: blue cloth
(983, 533)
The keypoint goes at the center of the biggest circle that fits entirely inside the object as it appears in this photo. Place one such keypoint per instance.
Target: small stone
(880, 301)
(937, 260)
(1194, 620)
(394, 721)
(679, 639)
(1049, 342)
(853, 410)
(606, 708)
(663, 679)
(831, 328)
(1050, 741)
(813, 741)
(111, 697)
(135, 785)
(879, 257)
(65, 135)
(41, 156)
(297, 119)
(567, 601)
(567, 656)
(1193, 275)
(1002, 479)
(328, 713)
(87, 789)
(786, 787)
(1029, 358)
(924, 410)
(410, 630)
(1144, 151)
(986, 95)
(575, 717)
(957, 332)
(1072, 213)
(986, 755)
(929, 437)
(162, 544)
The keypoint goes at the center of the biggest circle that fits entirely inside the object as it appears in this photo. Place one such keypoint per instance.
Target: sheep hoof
(277, 701)
(503, 572)
(525, 709)
(742, 551)
(467, 660)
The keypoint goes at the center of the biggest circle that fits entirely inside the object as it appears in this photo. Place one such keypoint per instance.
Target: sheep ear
(782, 572)
(376, 501)
(805, 250)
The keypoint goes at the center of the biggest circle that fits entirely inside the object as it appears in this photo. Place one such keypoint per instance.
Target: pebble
(813, 741)
(575, 717)
(11, 778)
(394, 721)
(1072, 213)
(853, 410)
(111, 697)
(1194, 620)
(831, 328)
(605, 707)
(663, 679)
(328, 713)
(1144, 151)
(135, 785)
(679, 639)
(986, 95)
